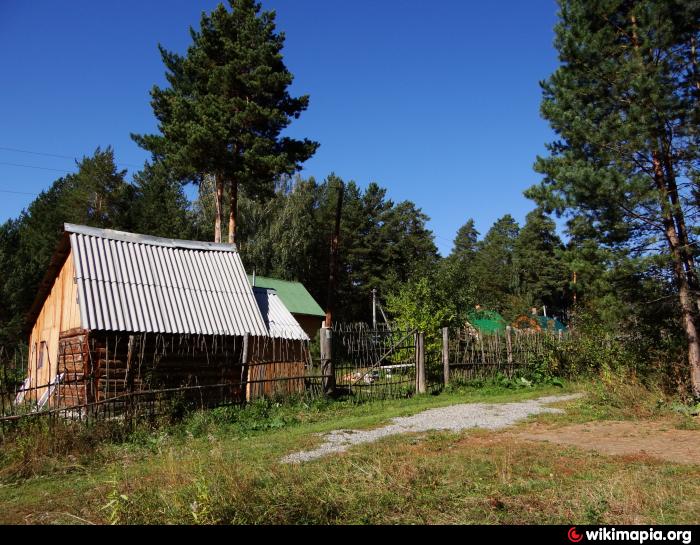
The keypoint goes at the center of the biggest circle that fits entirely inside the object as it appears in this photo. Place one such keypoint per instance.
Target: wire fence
(376, 363)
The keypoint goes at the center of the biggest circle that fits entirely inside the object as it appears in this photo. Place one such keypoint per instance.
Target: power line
(36, 152)
(17, 150)
(18, 192)
(32, 166)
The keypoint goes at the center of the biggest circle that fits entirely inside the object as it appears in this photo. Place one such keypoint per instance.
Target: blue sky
(436, 101)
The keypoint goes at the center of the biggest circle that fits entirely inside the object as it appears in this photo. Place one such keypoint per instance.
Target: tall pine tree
(225, 108)
(492, 268)
(624, 103)
(465, 243)
(542, 276)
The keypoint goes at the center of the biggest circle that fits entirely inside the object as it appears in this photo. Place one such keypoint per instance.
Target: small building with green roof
(487, 321)
(297, 299)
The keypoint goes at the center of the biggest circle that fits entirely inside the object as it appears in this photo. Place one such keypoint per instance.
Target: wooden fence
(102, 375)
(468, 355)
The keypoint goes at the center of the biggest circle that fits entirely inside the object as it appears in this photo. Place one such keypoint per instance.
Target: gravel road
(491, 416)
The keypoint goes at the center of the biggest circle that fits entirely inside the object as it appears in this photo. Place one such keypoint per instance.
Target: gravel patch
(490, 416)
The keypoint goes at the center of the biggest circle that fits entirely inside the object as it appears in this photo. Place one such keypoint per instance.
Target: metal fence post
(327, 367)
(446, 354)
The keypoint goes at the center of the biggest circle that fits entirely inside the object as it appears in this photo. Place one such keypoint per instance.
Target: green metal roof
(487, 321)
(550, 323)
(293, 295)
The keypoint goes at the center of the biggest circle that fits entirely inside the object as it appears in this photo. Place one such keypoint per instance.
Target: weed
(116, 503)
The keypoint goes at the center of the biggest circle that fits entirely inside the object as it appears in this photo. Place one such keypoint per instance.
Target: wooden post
(509, 346)
(416, 349)
(245, 387)
(327, 367)
(481, 344)
(446, 354)
(129, 378)
(333, 273)
(420, 363)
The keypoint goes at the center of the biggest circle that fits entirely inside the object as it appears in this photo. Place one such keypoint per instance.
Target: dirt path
(638, 438)
(490, 416)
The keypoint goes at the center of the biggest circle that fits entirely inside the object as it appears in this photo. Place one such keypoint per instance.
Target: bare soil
(622, 438)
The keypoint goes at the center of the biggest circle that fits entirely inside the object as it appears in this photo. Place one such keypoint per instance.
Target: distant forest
(383, 244)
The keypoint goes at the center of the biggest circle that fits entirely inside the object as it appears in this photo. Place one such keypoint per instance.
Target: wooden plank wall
(276, 367)
(60, 312)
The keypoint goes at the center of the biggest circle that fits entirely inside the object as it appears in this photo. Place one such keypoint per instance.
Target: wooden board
(60, 312)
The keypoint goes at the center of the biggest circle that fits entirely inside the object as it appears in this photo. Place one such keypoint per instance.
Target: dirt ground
(640, 438)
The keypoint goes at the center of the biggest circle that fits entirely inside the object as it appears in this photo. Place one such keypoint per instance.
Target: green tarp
(487, 321)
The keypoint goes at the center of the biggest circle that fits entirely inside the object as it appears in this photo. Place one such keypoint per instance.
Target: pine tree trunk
(219, 199)
(687, 314)
(681, 276)
(233, 213)
(686, 249)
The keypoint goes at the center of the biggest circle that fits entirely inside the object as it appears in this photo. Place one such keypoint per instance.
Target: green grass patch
(222, 466)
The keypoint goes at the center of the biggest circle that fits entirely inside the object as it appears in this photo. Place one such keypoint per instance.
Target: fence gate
(374, 363)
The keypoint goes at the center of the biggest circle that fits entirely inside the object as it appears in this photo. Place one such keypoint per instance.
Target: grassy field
(223, 466)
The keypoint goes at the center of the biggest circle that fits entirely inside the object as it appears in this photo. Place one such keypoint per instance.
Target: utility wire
(36, 152)
(17, 150)
(18, 192)
(32, 166)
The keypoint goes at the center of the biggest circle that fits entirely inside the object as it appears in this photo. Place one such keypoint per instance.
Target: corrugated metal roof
(129, 282)
(293, 294)
(280, 322)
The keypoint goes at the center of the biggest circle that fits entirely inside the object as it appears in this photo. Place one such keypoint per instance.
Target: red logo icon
(573, 535)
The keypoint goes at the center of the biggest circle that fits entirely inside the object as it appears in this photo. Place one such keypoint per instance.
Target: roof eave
(148, 239)
(58, 259)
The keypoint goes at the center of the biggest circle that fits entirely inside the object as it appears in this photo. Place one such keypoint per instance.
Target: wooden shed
(119, 313)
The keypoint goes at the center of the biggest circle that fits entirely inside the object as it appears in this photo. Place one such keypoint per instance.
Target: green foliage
(116, 505)
(542, 277)
(259, 415)
(595, 349)
(611, 103)
(227, 103)
(624, 106)
(97, 195)
(493, 266)
(420, 305)
(465, 243)
(160, 206)
(381, 242)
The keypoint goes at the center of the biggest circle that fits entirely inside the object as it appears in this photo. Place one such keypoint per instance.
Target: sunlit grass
(223, 467)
